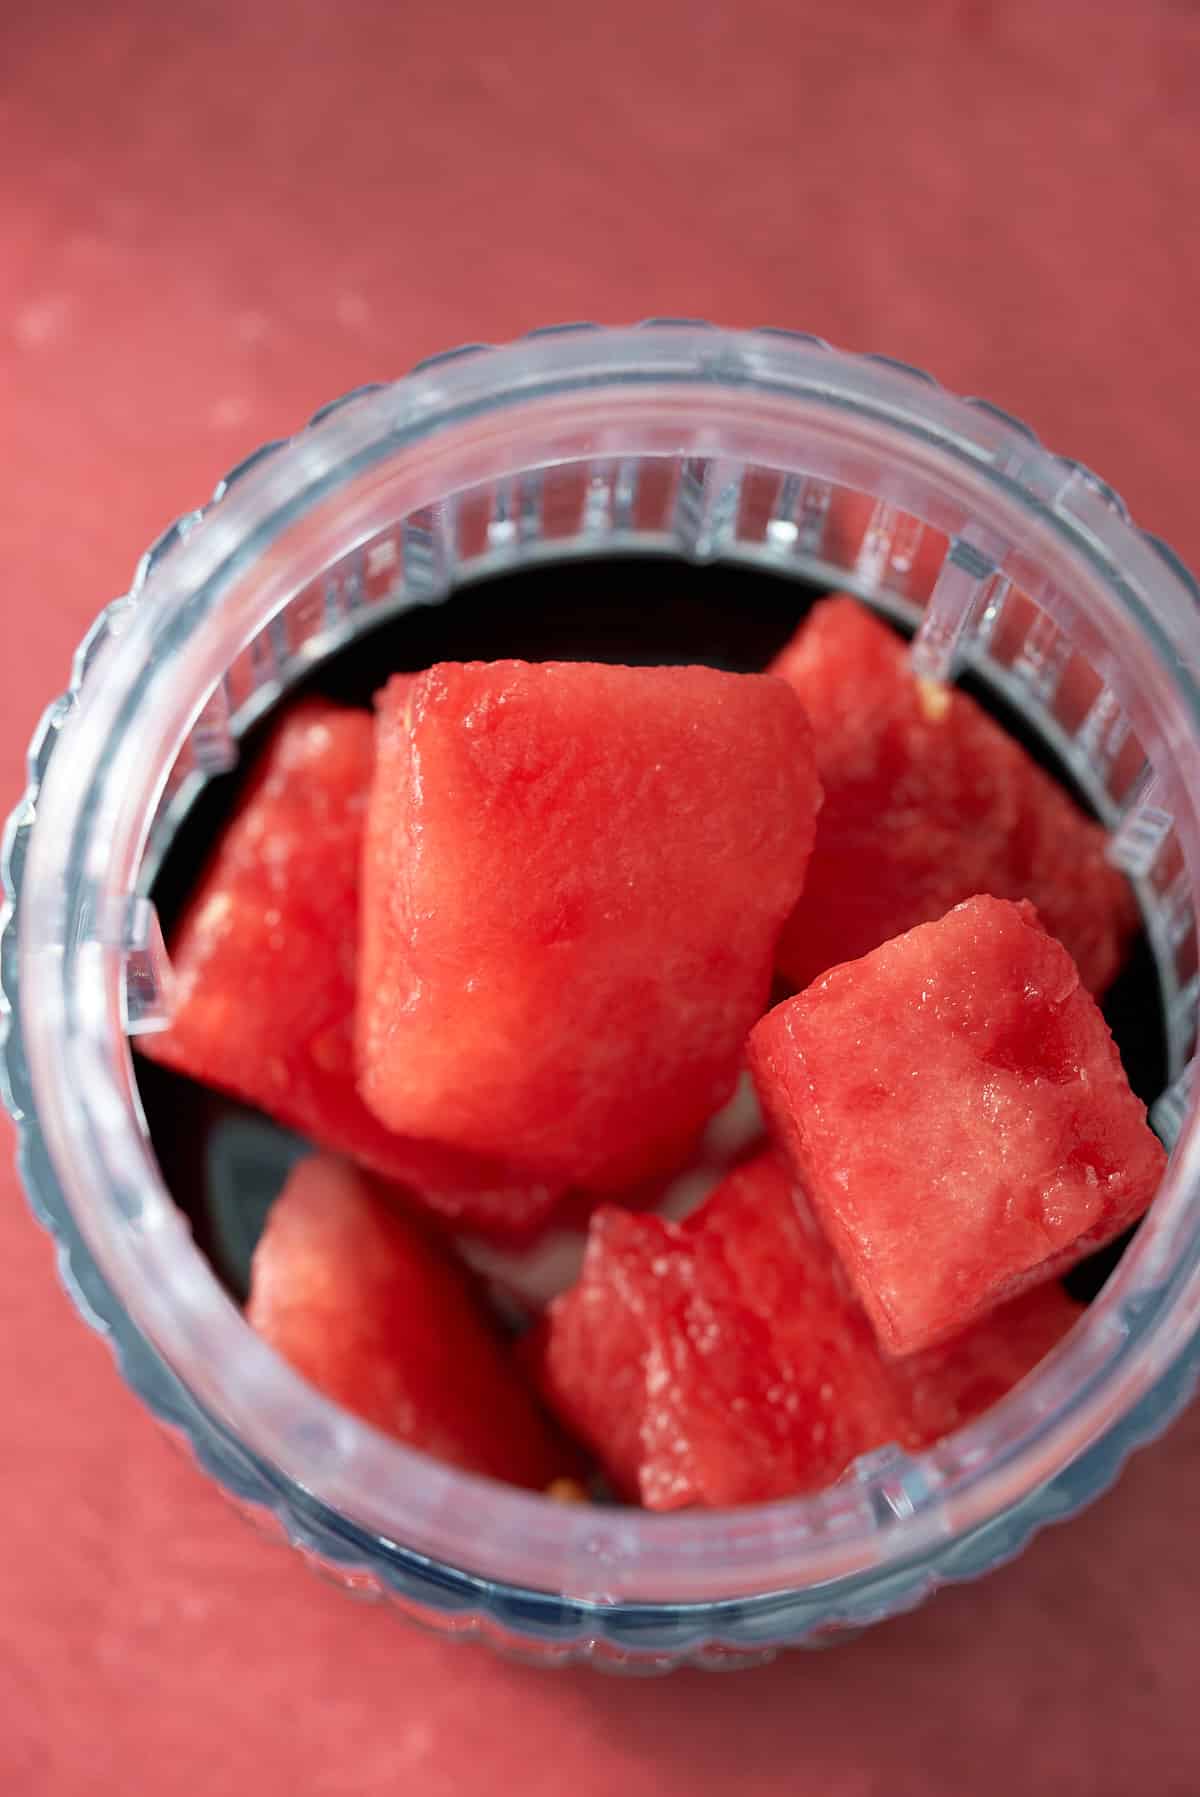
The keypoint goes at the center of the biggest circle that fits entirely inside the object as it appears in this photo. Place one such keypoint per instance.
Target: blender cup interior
(663, 495)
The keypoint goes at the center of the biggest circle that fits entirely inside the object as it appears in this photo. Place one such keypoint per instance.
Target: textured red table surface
(212, 219)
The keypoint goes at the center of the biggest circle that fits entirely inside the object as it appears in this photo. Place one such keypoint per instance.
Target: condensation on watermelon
(362, 1302)
(575, 879)
(265, 958)
(957, 1111)
(725, 1361)
(927, 802)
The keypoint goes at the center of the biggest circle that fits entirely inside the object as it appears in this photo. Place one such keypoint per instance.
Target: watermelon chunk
(575, 878)
(369, 1309)
(764, 1381)
(928, 801)
(588, 1353)
(956, 1109)
(942, 1388)
(725, 1361)
(266, 956)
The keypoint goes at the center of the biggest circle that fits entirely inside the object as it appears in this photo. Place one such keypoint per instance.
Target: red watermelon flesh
(956, 1108)
(765, 1380)
(368, 1308)
(266, 957)
(928, 801)
(575, 879)
(590, 1350)
(944, 1387)
(725, 1361)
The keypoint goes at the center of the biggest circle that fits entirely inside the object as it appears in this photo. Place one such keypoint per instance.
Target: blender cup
(1009, 565)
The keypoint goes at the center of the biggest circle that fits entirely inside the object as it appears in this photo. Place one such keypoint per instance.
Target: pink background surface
(212, 219)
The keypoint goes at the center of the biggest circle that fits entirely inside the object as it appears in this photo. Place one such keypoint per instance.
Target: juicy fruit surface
(927, 802)
(724, 1361)
(685, 1381)
(574, 880)
(957, 1111)
(369, 1310)
(532, 913)
(767, 1381)
(944, 1387)
(265, 958)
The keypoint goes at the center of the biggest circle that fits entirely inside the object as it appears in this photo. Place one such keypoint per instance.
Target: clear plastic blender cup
(695, 444)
